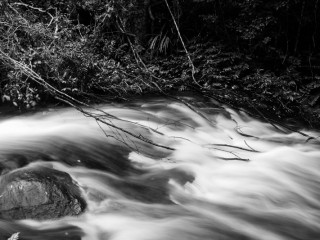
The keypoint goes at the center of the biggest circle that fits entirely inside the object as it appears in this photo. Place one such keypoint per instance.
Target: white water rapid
(228, 177)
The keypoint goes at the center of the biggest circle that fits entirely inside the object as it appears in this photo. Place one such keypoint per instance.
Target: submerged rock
(39, 193)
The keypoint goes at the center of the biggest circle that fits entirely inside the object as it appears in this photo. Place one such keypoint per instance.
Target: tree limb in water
(231, 146)
(140, 137)
(12, 63)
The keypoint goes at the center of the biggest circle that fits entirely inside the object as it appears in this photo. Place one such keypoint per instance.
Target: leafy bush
(68, 45)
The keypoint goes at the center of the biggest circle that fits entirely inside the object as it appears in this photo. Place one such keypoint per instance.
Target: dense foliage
(262, 55)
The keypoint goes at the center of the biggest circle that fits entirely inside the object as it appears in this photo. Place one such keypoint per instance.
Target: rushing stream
(228, 176)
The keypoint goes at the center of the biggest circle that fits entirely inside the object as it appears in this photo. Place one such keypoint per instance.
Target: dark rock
(39, 193)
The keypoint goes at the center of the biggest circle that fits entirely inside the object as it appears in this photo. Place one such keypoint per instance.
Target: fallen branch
(72, 101)
(272, 122)
(231, 146)
(235, 159)
(140, 137)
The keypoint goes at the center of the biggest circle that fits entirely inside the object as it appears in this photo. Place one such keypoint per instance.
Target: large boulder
(39, 193)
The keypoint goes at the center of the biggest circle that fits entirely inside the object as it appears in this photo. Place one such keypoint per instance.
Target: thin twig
(249, 146)
(191, 107)
(271, 121)
(193, 69)
(29, 6)
(231, 146)
(235, 159)
(140, 137)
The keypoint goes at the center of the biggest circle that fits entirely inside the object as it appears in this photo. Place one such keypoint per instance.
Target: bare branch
(29, 6)
(193, 69)
(72, 101)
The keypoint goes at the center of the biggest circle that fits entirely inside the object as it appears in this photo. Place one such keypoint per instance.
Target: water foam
(229, 177)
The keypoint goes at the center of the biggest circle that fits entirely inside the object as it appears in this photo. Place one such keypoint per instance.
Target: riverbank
(87, 52)
(281, 93)
(262, 95)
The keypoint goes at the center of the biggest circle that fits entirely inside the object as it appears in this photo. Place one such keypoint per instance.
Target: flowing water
(228, 176)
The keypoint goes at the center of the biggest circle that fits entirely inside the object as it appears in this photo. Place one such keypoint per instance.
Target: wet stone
(39, 193)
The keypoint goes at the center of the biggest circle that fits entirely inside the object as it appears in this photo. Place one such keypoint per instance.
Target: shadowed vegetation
(263, 56)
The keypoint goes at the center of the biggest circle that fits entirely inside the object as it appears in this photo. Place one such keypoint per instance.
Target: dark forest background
(261, 55)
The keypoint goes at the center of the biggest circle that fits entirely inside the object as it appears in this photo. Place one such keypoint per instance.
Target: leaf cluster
(74, 46)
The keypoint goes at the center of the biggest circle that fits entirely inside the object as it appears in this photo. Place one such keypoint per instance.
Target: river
(223, 176)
